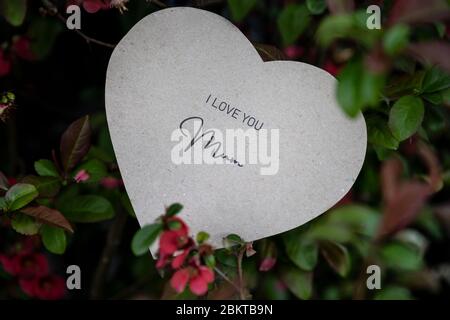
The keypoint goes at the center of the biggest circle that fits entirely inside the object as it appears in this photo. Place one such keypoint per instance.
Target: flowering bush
(63, 202)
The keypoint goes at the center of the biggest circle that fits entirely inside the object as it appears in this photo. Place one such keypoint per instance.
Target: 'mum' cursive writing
(200, 135)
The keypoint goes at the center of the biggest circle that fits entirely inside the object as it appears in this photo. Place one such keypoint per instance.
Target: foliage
(62, 191)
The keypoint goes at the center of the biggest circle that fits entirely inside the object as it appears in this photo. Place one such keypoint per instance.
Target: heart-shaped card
(248, 147)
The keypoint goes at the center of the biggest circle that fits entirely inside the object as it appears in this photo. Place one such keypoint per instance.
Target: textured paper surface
(162, 71)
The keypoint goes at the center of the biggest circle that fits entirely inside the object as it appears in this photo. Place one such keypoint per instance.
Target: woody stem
(240, 257)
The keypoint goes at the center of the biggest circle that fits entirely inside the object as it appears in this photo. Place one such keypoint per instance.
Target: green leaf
(435, 80)
(226, 258)
(362, 219)
(337, 257)
(87, 208)
(324, 231)
(14, 11)
(174, 209)
(406, 117)
(241, 8)
(379, 133)
(54, 239)
(393, 293)
(303, 252)
(434, 98)
(405, 84)
(24, 224)
(396, 39)
(298, 281)
(4, 184)
(43, 33)
(3, 206)
(202, 237)
(174, 225)
(95, 168)
(47, 187)
(232, 240)
(316, 6)
(428, 221)
(144, 238)
(347, 26)
(358, 88)
(292, 22)
(413, 239)
(334, 26)
(210, 261)
(446, 96)
(46, 168)
(20, 195)
(75, 143)
(401, 257)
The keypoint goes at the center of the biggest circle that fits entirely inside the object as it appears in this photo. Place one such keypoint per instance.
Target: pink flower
(5, 64)
(267, 264)
(294, 52)
(3, 108)
(12, 181)
(93, 6)
(81, 176)
(198, 278)
(172, 241)
(111, 183)
(25, 265)
(178, 260)
(331, 68)
(22, 48)
(49, 287)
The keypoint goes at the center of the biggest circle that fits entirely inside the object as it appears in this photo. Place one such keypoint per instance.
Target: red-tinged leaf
(376, 61)
(340, 6)
(404, 207)
(432, 163)
(269, 53)
(49, 216)
(432, 52)
(48, 187)
(75, 143)
(337, 256)
(405, 199)
(4, 184)
(418, 11)
(390, 178)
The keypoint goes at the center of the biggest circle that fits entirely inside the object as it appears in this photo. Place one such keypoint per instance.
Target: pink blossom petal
(29, 286)
(179, 280)
(5, 64)
(82, 176)
(198, 286)
(92, 6)
(168, 242)
(22, 48)
(179, 260)
(110, 183)
(206, 274)
(267, 264)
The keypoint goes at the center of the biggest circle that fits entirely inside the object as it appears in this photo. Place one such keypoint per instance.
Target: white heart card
(248, 147)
